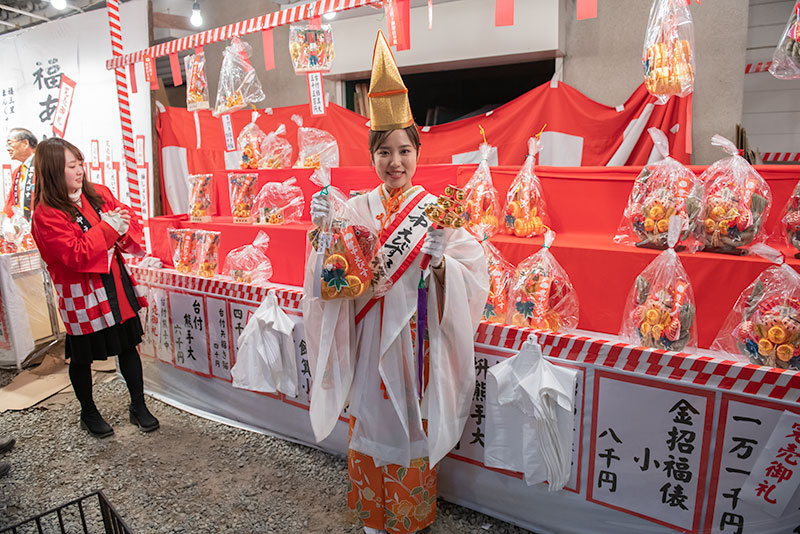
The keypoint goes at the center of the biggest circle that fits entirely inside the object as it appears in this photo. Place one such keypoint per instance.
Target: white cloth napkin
(266, 358)
(529, 417)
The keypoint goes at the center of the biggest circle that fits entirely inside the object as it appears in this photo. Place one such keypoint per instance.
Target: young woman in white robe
(363, 351)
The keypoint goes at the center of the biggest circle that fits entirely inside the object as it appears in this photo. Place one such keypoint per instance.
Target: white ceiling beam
(23, 12)
(10, 25)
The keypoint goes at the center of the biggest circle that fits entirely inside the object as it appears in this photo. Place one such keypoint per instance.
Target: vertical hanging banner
(175, 66)
(391, 22)
(148, 70)
(154, 74)
(230, 142)
(65, 96)
(403, 24)
(269, 49)
(587, 9)
(132, 74)
(316, 93)
(430, 15)
(504, 12)
(140, 151)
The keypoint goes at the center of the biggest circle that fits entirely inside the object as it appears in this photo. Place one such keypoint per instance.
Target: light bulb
(197, 18)
(59, 4)
(329, 16)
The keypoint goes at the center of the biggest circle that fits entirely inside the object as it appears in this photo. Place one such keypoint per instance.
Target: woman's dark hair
(377, 138)
(51, 188)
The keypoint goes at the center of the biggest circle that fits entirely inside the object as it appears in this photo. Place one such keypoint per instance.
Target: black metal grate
(78, 516)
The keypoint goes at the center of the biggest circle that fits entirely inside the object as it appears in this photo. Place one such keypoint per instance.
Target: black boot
(141, 417)
(93, 422)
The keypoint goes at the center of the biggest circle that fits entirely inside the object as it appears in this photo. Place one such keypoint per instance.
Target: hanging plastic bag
(736, 203)
(311, 49)
(316, 148)
(207, 253)
(660, 309)
(501, 273)
(541, 295)
(196, 82)
(276, 150)
(279, 202)
(482, 208)
(249, 264)
(525, 211)
(786, 57)
(238, 84)
(17, 231)
(663, 189)
(764, 325)
(200, 197)
(668, 56)
(790, 220)
(347, 253)
(183, 243)
(242, 194)
(249, 144)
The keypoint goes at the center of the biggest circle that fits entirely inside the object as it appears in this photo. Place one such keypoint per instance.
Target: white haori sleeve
(330, 335)
(266, 361)
(451, 381)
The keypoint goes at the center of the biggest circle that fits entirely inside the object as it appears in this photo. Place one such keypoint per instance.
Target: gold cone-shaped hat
(388, 97)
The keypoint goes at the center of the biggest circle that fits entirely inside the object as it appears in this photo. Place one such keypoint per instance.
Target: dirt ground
(190, 476)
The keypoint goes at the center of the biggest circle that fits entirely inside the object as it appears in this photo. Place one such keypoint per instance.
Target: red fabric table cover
(585, 206)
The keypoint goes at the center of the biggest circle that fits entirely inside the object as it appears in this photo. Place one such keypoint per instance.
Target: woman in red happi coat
(81, 230)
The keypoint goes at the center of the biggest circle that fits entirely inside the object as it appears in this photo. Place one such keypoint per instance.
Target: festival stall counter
(660, 440)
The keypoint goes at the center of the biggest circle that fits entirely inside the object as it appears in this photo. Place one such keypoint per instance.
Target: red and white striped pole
(115, 30)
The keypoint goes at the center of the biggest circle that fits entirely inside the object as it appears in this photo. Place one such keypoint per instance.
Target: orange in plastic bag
(316, 148)
(541, 295)
(660, 309)
(249, 143)
(249, 264)
(764, 325)
(663, 189)
(501, 273)
(736, 203)
(525, 212)
(279, 202)
(207, 249)
(238, 84)
(241, 188)
(482, 208)
(668, 57)
(276, 150)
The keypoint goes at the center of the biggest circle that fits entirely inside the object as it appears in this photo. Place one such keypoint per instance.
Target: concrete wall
(603, 61)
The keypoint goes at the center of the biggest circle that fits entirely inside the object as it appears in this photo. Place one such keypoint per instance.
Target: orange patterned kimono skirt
(394, 498)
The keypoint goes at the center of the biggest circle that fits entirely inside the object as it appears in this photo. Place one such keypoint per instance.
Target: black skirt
(111, 341)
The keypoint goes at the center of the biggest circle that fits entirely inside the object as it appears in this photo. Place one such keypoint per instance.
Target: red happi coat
(75, 260)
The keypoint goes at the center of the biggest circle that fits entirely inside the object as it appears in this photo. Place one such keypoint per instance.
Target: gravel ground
(192, 475)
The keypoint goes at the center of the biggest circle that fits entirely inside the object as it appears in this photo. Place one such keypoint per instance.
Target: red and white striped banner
(782, 156)
(732, 376)
(286, 16)
(120, 72)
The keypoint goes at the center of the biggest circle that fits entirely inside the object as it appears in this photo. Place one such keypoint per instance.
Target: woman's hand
(320, 209)
(435, 243)
(119, 219)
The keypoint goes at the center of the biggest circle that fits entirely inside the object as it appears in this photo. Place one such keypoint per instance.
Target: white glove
(151, 262)
(434, 245)
(320, 208)
(114, 219)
